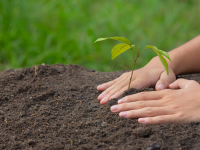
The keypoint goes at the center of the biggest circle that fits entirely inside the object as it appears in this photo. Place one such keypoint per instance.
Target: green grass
(63, 31)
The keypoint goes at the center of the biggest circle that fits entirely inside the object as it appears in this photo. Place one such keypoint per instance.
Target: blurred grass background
(33, 32)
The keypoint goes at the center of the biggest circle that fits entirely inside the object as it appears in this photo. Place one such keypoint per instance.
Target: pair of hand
(178, 104)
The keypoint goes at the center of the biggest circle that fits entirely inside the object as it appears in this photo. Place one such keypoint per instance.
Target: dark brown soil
(58, 109)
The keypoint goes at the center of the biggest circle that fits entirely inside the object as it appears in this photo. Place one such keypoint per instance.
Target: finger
(104, 86)
(110, 83)
(111, 91)
(116, 84)
(136, 105)
(137, 84)
(183, 83)
(145, 112)
(165, 80)
(152, 95)
(107, 94)
(123, 86)
(160, 119)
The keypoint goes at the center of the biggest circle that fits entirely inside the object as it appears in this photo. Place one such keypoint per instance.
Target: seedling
(126, 45)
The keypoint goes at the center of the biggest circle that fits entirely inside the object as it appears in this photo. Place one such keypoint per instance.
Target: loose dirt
(56, 107)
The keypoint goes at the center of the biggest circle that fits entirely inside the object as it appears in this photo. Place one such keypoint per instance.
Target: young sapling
(126, 45)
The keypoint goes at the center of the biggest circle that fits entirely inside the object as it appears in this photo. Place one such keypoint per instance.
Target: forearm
(185, 58)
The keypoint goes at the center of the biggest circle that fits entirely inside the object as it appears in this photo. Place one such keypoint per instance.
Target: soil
(56, 107)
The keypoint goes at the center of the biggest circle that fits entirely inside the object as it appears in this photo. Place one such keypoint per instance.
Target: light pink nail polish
(112, 97)
(161, 86)
(141, 120)
(114, 108)
(121, 101)
(99, 86)
(123, 114)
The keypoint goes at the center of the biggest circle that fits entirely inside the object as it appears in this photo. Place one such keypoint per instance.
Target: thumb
(183, 83)
(165, 80)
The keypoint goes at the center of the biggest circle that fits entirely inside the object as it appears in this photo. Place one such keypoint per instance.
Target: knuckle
(166, 101)
(181, 118)
(174, 107)
(149, 110)
(143, 95)
(161, 119)
(180, 115)
(150, 120)
(167, 91)
(122, 107)
(141, 104)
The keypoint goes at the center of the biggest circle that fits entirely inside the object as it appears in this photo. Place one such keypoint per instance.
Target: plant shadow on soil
(56, 107)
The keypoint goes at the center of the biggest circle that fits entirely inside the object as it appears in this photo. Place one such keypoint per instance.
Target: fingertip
(171, 85)
(120, 101)
(100, 87)
(146, 121)
(142, 120)
(174, 85)
(101, 96)
(104, 101)
(161, 87)
(116, 95)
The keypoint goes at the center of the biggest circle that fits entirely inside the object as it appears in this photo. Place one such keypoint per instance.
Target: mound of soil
(56, 107)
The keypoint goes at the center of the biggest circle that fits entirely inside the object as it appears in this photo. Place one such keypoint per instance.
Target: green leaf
(122, 39)
(100, 39)
(160, 53)
(165, 54)
(118, 49)
(164, 62)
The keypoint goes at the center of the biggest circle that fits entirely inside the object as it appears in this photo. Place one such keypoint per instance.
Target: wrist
(155, 61)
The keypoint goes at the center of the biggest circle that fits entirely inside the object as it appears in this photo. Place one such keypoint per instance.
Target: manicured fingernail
(99, 86)
(121, 101)
(101, 96)
(114, 108)
(114, 96)
(161, 86)
(123, 114)
(141, 120)
(104, 99)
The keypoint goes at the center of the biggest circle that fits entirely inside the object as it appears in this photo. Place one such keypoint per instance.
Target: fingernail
(121, 100)
(114, 108)
(141, 120)
(161, 86)
(99, 86)
(114, 96)
(123, 114)
(104, 99)
(101, 96)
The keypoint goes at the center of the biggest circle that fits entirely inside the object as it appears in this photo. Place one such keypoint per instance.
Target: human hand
(181, 105)
(150, 75)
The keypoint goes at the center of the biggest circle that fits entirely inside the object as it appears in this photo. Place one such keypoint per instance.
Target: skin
(185, 59)
(180, 104)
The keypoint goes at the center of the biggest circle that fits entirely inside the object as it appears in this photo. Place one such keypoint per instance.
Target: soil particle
(56, 107)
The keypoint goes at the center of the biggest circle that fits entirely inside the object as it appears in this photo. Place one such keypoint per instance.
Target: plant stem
(132, 73)
(142, 51)
(135, 59)
(132, 53)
